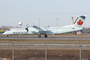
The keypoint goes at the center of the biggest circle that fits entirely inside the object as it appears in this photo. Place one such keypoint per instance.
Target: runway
(63, 42)
(64, 38)
(48, 45)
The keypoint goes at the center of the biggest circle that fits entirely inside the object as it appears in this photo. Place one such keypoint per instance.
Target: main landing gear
(39, 36)
(44, 36)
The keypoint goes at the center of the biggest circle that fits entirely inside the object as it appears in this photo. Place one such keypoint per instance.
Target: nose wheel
(7, 35)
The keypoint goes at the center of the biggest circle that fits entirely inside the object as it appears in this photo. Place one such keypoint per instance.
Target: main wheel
(45, 36)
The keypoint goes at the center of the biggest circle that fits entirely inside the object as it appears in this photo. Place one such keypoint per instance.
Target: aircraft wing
(41, 31)
(38, 28)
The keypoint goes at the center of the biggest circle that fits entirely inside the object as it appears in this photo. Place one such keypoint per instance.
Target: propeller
(26, 28)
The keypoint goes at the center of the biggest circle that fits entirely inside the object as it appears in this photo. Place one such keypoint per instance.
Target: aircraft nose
(4, 33)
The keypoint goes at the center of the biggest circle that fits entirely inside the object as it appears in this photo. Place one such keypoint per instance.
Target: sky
(43, 12)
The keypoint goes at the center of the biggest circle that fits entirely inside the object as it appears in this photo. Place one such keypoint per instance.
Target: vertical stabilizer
(79, 21)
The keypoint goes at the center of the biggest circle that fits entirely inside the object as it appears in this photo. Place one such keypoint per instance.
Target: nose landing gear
(7, 35)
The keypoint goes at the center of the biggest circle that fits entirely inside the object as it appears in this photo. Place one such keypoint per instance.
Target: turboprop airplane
(35, 30)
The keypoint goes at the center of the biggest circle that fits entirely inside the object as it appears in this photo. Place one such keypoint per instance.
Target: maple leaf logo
(80, 22)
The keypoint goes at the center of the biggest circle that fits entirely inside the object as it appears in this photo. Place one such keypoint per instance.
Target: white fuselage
(35, 30)
(46, 30)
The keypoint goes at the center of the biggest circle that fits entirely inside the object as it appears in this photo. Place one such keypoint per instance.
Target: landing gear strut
(39, 36)
(7, 35)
